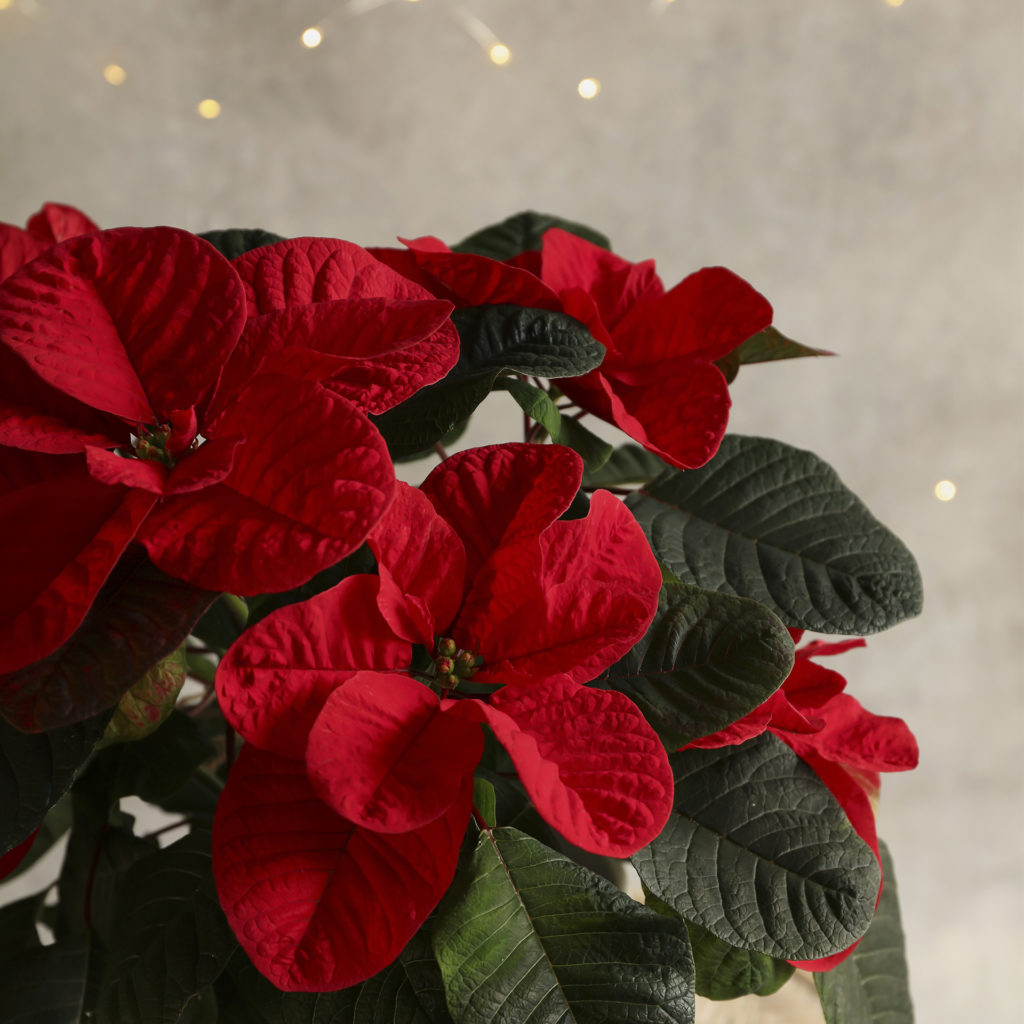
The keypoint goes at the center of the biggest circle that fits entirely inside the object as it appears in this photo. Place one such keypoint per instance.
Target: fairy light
(589, 88)
(209, 109)
(4, 4)
(945, 490)
(312, 37)
(115, 74)
(894, 3)
(499, 54)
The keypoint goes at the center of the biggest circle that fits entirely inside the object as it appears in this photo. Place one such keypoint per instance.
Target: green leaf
(139, 616)
(173, 939)
(776, 524)
(527, 935)
(725, 972)
(871, 985)
(521, 233)
(232, 242)
(628, 464)
(408, 992)
(45, 985)
(758, 852)
(770, 344)
(493, 340)
(484, 801)
(534, 402)
(37, 769)
(18, 924)
(594, 451)
(706, 661)
(148, 703)
(155, 767)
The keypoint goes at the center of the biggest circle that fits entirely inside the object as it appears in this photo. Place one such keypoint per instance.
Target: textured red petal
(375, 352)
(708, 314)
(853, 736)
(111, 469)
(384, 755)
(54, 563)
(318, 903)
(502, 493)
(276, 677)
(55, 222)
(572, 601)
(471, 280)
(306, 487)
(18, 247)
(298, 271)
(614, 284)
(592, 765)
(681, 407)
(136, 322)
(207, 465)
(422, 566)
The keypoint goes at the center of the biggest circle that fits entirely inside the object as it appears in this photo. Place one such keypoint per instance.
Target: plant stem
(439, 448)
(237, 608)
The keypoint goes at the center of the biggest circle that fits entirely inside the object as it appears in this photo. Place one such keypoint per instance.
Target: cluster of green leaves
(757, 866)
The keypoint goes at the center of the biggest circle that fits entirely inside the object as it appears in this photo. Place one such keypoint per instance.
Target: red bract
(658, 382)
(846, 745)
(53, 223)
(477, 568)
(122, 396)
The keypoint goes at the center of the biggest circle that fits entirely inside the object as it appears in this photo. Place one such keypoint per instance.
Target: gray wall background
(860, 164)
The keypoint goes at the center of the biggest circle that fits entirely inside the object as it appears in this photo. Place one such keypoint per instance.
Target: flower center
(167, 442)
(452, 664)
(152, 445)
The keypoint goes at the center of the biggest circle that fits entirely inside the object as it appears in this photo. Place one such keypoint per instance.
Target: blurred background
(860, 162)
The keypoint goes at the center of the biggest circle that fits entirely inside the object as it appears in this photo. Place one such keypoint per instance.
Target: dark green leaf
(493, 340)
(707, 660)
(139, 616)
(758, 852)
(527, 935)
(871, 985)
(534, 402)
(45, 985)
(594, 450)
(771, 344)
(233, 242)
(725, 972)
(218, 628)
(628, 464)
(407, 992)
(484, 801)
(18, 925)
(173, 940)
(776, 524)
(36, 769)
(521, 233)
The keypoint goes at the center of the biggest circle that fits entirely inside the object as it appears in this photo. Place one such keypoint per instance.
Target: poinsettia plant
(528, 740)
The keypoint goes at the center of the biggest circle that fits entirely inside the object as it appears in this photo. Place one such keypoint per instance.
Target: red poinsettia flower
(49, 225)
(658, 382)
(122, 397)
(338, 830)
(846, 745)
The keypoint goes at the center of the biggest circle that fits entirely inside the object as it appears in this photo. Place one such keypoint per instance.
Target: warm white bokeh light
(113, 73)
(894, 3)
(499, 53)
(4, 4)
(312, 37)
(589, 88)
(945, 490)
(209, 109)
